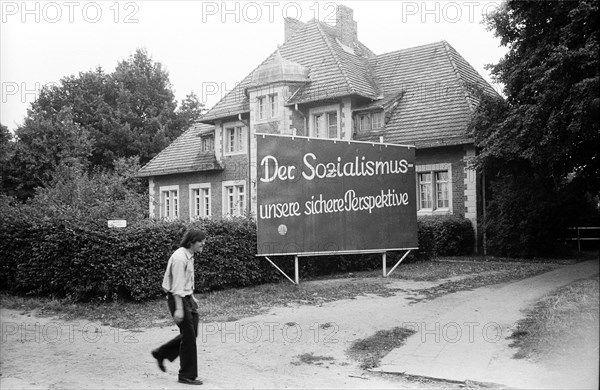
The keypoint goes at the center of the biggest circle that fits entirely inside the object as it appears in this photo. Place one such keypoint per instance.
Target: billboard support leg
(384, 263)
(296, 270)
(283, 273)
(397, 264)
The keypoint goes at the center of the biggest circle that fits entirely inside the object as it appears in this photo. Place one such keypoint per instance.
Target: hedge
(445, 235)
(86, 260)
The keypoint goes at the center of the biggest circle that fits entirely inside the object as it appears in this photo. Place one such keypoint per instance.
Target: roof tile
(183, 155)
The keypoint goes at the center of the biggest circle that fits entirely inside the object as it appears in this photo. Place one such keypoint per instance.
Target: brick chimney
(291, 25)
(345, 25)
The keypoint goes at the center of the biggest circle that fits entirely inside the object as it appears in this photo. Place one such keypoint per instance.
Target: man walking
(178, 282)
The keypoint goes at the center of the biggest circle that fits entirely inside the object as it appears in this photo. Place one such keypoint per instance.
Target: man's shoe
(159, 361)
(190, 381)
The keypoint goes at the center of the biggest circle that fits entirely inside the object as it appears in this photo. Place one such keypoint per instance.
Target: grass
(233, 304)
(310, 358)
(548, 327)
(468, 275)
(371, 350)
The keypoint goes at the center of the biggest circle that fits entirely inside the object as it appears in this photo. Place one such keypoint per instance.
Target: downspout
(303, 116)
(249, 174)
(484, 214)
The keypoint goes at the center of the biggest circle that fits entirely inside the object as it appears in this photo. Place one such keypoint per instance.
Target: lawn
(455, 274)
(549, 327)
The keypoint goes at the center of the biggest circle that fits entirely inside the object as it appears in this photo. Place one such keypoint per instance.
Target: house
(323, 82)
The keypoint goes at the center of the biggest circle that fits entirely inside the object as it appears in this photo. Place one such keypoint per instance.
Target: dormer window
(377, 120)
(325, 125)
(325, 122)
(234, 140)
(208, 143)
(369, 121)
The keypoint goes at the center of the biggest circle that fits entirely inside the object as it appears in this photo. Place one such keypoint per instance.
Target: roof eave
(329, 97)
(192, 169)
(223, 117)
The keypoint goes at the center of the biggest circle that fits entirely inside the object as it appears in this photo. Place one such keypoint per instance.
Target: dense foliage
(445, 235)
(68, 255)
(96, 118)
(539, 146)
(84, 259)
(551, 78)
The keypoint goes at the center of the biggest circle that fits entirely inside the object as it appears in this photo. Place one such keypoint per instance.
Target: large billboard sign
(318, 196)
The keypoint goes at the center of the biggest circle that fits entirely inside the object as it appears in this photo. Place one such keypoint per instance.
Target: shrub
(86, 260)
(445, 235)
(528, 214)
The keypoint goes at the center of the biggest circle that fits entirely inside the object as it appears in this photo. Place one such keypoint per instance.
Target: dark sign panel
(317, 196)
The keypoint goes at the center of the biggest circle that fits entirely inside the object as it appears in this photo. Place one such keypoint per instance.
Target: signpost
(321, 197)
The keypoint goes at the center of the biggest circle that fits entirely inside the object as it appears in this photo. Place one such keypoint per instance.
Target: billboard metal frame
(296, 279)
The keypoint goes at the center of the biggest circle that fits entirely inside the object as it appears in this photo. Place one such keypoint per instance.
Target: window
(267, 106)
(273, 105)
(208, 143)
(169, 199)
(234, 142)
(364, 122)
(368, 121)
(434, 188)
(234, 198)
(262, 107)
(200, 198)
(425, 201)
(441, 189)
(326, 125)
(332, 126)
(377, 122)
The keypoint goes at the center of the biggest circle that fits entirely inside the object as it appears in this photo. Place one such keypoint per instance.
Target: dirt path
(288, 347)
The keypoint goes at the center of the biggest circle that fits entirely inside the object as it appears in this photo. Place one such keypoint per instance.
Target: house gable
(436, 102)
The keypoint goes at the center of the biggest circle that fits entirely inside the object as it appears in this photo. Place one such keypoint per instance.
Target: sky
(207, 46)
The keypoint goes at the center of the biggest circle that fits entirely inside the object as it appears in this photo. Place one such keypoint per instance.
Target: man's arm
(177, 287)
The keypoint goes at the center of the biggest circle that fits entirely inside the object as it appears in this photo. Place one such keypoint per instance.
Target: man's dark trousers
(184, 344)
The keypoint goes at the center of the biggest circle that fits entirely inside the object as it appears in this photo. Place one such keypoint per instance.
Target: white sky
(206, 46)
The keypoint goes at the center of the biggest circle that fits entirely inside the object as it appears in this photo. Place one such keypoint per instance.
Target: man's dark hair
(191, 236)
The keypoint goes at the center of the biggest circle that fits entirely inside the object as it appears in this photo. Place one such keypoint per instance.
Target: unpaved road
(297, 346)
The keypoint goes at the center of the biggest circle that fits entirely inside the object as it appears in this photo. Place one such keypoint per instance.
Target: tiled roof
(183, 155)
(384, 103)
(333, 72)
(436, 104)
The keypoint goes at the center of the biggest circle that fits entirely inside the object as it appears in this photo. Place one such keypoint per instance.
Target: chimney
(345, 25)
(291, 25)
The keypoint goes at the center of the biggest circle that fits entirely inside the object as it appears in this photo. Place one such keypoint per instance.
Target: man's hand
(178, 316)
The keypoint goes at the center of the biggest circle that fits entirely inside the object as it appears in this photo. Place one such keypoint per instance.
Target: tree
(539, 146)
(551, 77)
(74, 192)
(145, 106)
(190, 110)
(42, 145)
(6, 151)
(100, 117)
